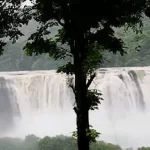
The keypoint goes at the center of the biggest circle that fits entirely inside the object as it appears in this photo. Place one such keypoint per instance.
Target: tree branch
(90, 80)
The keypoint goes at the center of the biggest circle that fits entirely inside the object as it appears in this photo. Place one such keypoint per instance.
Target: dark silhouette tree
(10, 20)
(87, 27)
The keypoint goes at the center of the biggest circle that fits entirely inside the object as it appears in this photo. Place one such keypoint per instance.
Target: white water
(40, 103)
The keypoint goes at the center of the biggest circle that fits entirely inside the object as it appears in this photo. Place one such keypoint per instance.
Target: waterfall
(40, 103)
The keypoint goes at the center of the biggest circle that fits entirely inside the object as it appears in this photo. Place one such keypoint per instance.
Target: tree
(144, 148)
(10, 21)
(57, 143)
(31, 142)
(88, 28)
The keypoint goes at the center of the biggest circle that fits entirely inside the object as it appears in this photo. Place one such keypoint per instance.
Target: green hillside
(15, 59)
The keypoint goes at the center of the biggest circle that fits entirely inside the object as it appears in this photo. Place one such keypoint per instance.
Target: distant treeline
(15, 59)
(31, 142)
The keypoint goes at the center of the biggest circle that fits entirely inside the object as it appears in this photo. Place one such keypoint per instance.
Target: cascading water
(40, 103)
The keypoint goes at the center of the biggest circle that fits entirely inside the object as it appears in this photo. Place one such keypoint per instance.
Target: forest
(137, 48)
(31, 142)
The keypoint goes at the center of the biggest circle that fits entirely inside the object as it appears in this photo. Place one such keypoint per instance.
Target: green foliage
(92, 134)
(57, 143)
(11, 20)
(30, 143)
(144, 148)
(133, 57)
(94, 58)
(68, 69)
(74, 134)
(61, 142)
(14, 59)
(104, 146)
(94, 98)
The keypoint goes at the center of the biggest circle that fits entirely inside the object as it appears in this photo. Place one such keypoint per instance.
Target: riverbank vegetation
(61, 142)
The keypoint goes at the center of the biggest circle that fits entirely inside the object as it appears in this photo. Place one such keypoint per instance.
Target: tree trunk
(83, 111)
(82, 127)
